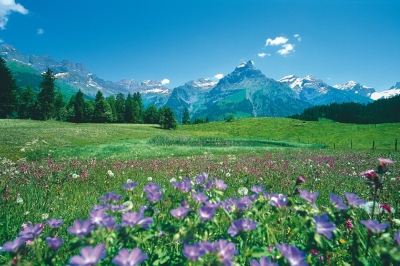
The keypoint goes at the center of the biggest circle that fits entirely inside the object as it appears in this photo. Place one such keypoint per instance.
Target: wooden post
(373, 144)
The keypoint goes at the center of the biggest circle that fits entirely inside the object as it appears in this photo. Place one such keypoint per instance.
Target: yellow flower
(342, 241)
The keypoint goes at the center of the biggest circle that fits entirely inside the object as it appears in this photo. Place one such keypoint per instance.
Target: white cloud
(8, 6)
(286, 49)
(298, 37)
(277, 41)
(1, 41)
(165, 81)
(263, 54)
(219, 76)
(40, 31)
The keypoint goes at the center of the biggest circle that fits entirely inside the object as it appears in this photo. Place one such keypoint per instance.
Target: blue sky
(182, 40)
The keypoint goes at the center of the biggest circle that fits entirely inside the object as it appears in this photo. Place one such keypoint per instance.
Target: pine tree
(129, 109)
(26, 103)
(111, 101)
(186, 117)
(137, 97)
(79, 107)
(120, 108)
(8, 91)
(102, 110)
(60, 112)
(151, 115)
(47, 96)
(167, 118)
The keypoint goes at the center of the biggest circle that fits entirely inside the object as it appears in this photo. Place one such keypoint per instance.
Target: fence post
(373, 144)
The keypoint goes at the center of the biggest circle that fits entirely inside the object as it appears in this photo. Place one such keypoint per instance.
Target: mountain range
(245, 92)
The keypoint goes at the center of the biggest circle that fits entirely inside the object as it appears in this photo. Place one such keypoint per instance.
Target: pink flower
(385, 161)
(349, 224)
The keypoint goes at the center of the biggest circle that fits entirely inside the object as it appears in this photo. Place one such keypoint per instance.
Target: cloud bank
(219, 76)
(286, 47)
(277, 41)
(8, 6)
(165, 81)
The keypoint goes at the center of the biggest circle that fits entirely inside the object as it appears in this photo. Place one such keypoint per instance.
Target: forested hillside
(380, 111)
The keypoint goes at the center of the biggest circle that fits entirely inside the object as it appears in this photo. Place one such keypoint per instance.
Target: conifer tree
(8, 91)
(79, 107)
(102, 110)
(186, 117)
(167, 118)
(120, 108)
(111, 101)
(129, 109)
(26, 103)
(47, 96)
(151, 115)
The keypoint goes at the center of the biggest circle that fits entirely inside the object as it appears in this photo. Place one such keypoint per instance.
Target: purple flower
(184, 186)
(151, 187)
(220, 184)
(98, 216)
(353, 199)
(199, 197)
(180, 212)
(13, 246)
(206, 246)
(31, 231)
(337, 201)
(310, 197)
(130, 185)
(206, 213)
(89, 256)
(241, 225)
(294, 255)
(200, 179)
(54, 242)
(300, 180)
(54, 222)
(264, 261)
(136, 218)
(135, 257)
(225, 250)
(193, 252)
(374, 226)
(324, 227)
(209, 184)
(278, 200)
(397, 237)
(257, 189)
(81, 228)
(110, 196)
(154, 196)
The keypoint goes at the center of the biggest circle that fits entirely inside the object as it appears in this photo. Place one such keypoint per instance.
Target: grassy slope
(127, 140)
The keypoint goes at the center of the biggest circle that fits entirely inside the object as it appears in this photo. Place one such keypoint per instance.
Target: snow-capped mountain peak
(355, 87)
(202, 83)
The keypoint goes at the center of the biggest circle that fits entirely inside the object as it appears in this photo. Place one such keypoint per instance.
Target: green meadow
(256, 135)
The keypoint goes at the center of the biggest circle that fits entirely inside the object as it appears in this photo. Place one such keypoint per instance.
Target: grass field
(59, 170)
(126, 140)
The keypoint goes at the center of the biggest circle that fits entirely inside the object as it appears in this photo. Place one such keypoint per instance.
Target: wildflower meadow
(284, 207)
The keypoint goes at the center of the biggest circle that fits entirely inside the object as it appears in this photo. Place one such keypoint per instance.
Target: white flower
(243, 191)
(149, 178)
(128, 204)
(129, 181)
(368, 207)
(20, 200)
(45, 216)
(228, 174)
(172, 180)
(75, 176)
(110, 173)
(396, 221)
(27, 212)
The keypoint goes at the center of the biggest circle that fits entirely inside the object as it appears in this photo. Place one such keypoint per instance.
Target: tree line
(377, 112)
(50, 104)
